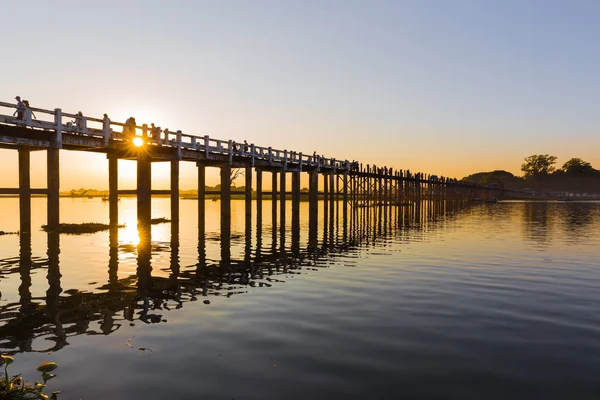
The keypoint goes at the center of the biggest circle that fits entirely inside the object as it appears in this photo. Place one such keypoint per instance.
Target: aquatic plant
(79, 229)
(16, 388)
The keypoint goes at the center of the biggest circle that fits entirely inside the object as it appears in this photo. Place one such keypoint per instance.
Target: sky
(444, 87)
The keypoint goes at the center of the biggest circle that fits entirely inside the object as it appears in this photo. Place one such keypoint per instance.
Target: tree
(234, 174)
(576, 166)
(538, 165)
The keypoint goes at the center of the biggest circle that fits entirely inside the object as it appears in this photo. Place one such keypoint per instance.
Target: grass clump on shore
(161, 220)
(80, 229)
(16, 388)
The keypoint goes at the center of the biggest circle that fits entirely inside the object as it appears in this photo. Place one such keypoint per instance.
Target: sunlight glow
(138, 141)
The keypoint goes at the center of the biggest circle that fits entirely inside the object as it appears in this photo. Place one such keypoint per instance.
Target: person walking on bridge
(20, 111)
(26, 102)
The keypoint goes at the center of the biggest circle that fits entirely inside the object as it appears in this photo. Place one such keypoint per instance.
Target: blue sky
(442, 87)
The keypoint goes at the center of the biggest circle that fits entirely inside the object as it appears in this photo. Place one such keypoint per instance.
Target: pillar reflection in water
(54, 289)
(113, 256)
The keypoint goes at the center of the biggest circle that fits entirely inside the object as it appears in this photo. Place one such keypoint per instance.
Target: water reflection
(542, 222)
(45, 323)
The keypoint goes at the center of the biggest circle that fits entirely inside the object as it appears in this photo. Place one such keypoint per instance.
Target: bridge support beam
(53, 178)
(274, 199)
(201, 203)
(326, 194)
(296, 212)
(331, 194)
(174, 194)
(282, 189)
(313, 199)
(113, 188)
(258, 201)
(248, 197)
(295, 202)
(225, 215)
(144, 200)
(24, 191)
(345, 199)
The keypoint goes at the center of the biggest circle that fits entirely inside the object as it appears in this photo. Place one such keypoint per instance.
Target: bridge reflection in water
(147, 298)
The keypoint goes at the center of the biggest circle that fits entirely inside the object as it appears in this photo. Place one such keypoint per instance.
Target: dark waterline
(489, 301)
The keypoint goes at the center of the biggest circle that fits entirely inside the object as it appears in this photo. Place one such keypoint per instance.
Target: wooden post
(282, 189)
(295, 202)
(113, 187)
(313, 200)
(174, 192)
(331, 195)
(58, 128)
(345, 199)
(248, 195)
(24, 191)
(53, 178)
(258, 200)
(274, 198)
(326, 195)
(225, 204)
(144, 187)
(201, 199)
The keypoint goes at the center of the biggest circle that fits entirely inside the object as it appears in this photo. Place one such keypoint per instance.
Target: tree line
(540, 172)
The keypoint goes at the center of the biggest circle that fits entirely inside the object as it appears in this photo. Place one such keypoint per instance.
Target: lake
(485, 301)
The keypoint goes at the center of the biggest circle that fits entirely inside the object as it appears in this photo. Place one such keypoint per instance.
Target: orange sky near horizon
(443, 88)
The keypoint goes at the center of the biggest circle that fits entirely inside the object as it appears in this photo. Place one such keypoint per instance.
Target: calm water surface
(490, 301)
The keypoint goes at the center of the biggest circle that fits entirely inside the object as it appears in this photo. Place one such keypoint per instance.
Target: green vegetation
(16, 388)
(80, 229)
(540, 174)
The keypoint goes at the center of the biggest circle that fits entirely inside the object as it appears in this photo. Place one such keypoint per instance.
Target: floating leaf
(7, 359)
(47, 366)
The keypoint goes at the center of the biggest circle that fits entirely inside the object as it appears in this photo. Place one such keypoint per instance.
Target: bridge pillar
(345, 206)
(144, 187)
(282, 189)
(53, 178)
(313, 199)
(248, 200)
(113, 188)
(295, 203)
(296, 212)
(174, 194)
(225, 211)
(258, 201)
(24, 191)
(201, 198)
(326, 194)
(331, 194)
(274, 198)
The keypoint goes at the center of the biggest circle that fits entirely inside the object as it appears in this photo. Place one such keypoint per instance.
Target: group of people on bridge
(22, 107)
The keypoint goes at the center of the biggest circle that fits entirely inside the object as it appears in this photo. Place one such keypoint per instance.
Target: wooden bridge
(355, 184)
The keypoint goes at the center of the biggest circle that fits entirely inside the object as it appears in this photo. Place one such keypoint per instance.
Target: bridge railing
(56, 122)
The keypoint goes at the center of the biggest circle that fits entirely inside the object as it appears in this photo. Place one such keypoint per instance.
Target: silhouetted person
(78, 120)
(26, 103)
(155, 132)
(245, 146)
(129, 128)
(20, 111)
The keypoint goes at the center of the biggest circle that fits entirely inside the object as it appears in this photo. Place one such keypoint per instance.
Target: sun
(138, 141)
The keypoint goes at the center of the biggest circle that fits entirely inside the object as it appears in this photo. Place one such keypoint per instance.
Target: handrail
(206, 144)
